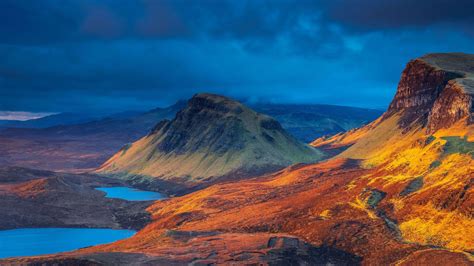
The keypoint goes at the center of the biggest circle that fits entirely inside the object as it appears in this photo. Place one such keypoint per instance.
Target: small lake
(41, 241)
(131, 194)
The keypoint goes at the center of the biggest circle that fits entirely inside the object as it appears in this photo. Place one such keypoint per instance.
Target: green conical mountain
(214, 138)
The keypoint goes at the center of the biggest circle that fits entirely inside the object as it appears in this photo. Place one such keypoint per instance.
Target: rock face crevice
(418, 89)
(451, 106)
(435, 91)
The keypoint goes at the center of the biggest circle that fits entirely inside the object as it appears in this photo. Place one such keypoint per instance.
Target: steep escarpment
(421, 152)
(453, 104)
(212, 138)
(435, 90)
(418, 89)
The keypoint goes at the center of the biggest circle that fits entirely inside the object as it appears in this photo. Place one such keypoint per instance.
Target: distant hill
(124, 125)
(77, 147)
(213, 138)
(86, 145)
(310, 121)
(51, 120)
(304, 121)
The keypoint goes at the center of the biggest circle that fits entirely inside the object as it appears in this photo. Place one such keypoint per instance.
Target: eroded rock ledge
(436, 90)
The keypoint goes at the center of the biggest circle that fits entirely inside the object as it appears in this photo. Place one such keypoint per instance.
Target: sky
(21, 116)
(115, 55)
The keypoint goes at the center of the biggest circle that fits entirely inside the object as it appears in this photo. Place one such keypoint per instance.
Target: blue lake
(132, 194)
(41, 241)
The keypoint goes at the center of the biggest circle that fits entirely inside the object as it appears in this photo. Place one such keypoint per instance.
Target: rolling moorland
(396, 191)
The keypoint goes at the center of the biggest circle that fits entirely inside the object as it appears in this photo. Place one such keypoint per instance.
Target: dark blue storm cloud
(90, 55)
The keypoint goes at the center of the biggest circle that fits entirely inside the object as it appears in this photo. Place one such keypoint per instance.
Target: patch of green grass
(429, 140)
(435, 164)
(375, 197)
(413, 186)
(455, 144)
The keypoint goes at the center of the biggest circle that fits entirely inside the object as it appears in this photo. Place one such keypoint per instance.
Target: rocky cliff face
(452, 105)
(435, 90)
(212, 138)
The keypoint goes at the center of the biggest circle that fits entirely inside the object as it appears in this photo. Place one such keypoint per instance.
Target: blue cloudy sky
(113, 55)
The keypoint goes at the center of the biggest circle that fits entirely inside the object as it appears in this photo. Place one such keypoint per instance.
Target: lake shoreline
(130, 193)
(44, 199)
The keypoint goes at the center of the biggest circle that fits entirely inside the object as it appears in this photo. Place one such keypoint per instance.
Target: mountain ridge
(85, 146)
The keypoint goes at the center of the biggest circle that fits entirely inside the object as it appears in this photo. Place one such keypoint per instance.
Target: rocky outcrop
(212, 139)
(435, 91)
(453, 104)
(418, 89)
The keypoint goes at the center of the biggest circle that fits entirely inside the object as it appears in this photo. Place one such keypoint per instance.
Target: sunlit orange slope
(423, 148)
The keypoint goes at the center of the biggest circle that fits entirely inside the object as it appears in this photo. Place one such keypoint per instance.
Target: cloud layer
(21, 116)
(77, 55)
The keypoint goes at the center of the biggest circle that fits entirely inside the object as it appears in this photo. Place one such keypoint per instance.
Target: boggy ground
(36, 198)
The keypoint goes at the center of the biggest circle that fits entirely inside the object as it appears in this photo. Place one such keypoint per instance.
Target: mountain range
(58, 143)
(399, 191)
(50, 120)
(309, 121)
(77, 147)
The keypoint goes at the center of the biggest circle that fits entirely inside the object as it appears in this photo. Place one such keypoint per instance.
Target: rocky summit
(436, 90)
(421, 153)
(214, 138)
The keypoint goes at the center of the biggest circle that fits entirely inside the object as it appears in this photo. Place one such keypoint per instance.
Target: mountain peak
(212, 97)
(212, 138)
(435, 90)
(216, 103)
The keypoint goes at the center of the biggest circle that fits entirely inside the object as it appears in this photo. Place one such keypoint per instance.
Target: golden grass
(398, 157)
(431, 226)
(326, 214)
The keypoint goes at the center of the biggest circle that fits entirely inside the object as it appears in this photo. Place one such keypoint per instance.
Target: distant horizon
(23, 115)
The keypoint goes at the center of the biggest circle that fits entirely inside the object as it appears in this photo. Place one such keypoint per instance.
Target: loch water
(131, 194)
(42, 241)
